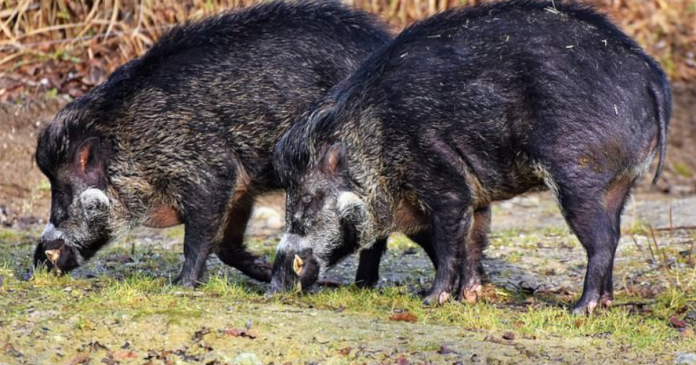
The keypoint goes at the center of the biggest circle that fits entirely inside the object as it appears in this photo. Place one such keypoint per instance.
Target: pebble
(246, 358)
(686, 359)
(264, 213)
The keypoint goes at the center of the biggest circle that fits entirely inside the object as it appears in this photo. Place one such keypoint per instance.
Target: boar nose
(51, 233)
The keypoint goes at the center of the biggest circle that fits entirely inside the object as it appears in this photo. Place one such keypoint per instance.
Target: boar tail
(662, 97)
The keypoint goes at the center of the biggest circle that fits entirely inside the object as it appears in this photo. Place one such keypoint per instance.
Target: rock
(264, 213)
(686, 359)
(246, 358)
(274, 223)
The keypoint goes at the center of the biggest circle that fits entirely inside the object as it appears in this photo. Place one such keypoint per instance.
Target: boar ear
(87, 156)
(335, 158)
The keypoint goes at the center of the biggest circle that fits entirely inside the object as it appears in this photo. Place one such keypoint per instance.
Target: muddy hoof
(186, 283)
(471, 295)
(435, 299)
(585, 308)
(606, 301)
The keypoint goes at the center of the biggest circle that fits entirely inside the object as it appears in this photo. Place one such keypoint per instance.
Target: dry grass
(70, 46)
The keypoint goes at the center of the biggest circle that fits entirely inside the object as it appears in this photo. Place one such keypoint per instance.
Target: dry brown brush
(60, 46)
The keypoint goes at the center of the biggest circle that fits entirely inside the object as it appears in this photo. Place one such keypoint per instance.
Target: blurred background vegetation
(59, 46)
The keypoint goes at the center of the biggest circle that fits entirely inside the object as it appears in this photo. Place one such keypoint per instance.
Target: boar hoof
(443, 297)
(186, 283)
(471, 295)
(436, 299)
(606, 300)
(586, 309)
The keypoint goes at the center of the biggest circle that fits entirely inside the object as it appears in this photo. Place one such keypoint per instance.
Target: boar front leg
(368, 269)
(201, 228)
(232, 250)
(450, 226)
(367, 275)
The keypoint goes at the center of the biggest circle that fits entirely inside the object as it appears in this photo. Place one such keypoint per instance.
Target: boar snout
(56, 256)
(292, 266)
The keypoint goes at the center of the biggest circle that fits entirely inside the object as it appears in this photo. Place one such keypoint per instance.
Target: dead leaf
(494, 339)
(240, 333)
(125, 354)
(509, 335)
(444, 350)
(198, 335)
(404, 317)
(402, 361)
(345, 351)
(96, 346)
(109, 359)
(10, 350)
(80, 359)
(676, 322)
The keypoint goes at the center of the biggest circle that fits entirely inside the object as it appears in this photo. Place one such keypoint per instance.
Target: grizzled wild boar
(465, 108)
(185, 133)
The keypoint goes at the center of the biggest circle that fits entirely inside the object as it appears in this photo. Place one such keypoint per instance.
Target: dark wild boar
(185, 133)
(465, 108)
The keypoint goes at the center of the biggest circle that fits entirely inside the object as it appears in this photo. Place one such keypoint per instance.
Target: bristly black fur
(293, 153)
(186, 132)
(473, 106)
(205, 41)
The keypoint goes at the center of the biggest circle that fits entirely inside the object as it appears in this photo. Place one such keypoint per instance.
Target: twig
(685, 228)
(652, 254)
(633, 238)
(114, 17)
(657, 248)
(20, 47)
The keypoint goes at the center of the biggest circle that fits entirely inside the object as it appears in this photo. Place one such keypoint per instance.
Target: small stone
(274, 223)
(265, 213)
(686, 359)
(246, 358)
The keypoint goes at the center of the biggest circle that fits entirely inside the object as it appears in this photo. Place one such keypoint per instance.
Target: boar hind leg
(593, 214)
(368, 268)
(471, 272)
(615, 199)
(232, 250)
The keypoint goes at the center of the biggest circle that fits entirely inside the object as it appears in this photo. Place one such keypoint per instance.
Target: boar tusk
(52, 255)
(297, 265)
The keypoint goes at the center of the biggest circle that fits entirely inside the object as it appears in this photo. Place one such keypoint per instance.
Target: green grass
(141, 296)
(142, 291)
(683, 169)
